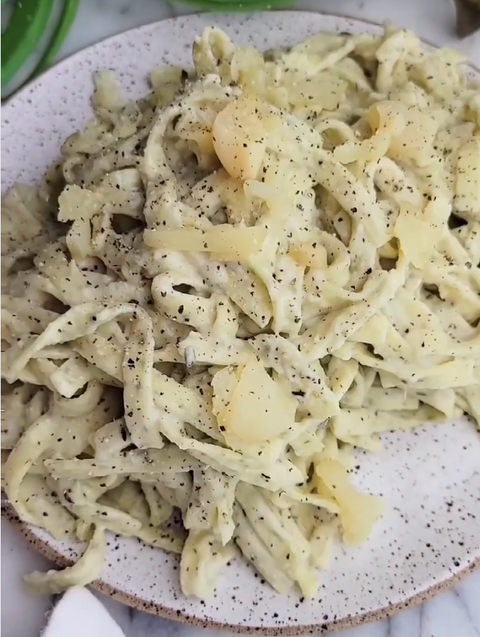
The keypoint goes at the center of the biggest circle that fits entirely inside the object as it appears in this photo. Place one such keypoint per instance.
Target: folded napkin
(80, 614)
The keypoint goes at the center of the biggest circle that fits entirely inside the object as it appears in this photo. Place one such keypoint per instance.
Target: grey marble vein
(469, 592)
(105, 18)
(466, 610)
(448, 615)
(181, 8)
(406, 623)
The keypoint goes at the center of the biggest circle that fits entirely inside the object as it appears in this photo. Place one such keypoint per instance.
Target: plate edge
(24, 87)
(162, 611)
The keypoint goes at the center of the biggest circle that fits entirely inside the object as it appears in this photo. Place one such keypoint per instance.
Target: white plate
(430, 478)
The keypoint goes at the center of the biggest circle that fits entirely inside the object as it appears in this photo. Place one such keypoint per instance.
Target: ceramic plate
(430, 478)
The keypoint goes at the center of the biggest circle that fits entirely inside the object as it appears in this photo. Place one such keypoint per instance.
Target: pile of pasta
(225, 288)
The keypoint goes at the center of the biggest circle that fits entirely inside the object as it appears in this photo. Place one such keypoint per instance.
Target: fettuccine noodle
(224, 289)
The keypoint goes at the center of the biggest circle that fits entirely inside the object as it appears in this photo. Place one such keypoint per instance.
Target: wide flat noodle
(87, 569)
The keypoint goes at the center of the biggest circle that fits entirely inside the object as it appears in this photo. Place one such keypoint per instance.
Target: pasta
(225, 288)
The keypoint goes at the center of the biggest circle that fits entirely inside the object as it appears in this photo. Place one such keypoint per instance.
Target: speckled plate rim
(162, 611)
(157, 609)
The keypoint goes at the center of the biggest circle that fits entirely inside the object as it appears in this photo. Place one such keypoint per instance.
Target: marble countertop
(455, 613)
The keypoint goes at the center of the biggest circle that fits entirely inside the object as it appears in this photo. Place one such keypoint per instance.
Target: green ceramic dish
(24, 33)
(241, 5)
(30, 18)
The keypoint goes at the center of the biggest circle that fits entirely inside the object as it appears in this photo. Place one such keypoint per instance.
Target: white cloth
(80, 614)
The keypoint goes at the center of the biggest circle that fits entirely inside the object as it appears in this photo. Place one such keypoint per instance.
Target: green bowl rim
(241, 5)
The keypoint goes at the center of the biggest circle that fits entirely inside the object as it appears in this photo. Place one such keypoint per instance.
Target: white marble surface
(455, 613)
